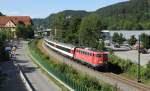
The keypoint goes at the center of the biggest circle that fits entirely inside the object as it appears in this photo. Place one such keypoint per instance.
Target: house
(10, 22)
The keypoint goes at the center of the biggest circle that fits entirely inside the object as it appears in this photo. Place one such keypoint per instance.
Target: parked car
(136, 46)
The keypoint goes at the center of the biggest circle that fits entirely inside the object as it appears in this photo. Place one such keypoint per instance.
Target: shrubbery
(71, 74)
(126, 66)
(4, 56)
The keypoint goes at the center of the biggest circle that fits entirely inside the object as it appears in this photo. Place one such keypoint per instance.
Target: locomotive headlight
(100, 62)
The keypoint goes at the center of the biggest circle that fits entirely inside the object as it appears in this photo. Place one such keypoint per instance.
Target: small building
(10, 22)
(128, 33)
(108, 34)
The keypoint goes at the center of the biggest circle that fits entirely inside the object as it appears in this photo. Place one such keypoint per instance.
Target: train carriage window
(76, 50)
(80, 51)
(85, 53)
(89, 54)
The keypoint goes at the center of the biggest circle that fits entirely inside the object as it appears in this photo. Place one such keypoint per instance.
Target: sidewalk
(13, 81)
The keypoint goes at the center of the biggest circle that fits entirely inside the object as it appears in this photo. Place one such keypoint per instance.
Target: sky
(43, 8)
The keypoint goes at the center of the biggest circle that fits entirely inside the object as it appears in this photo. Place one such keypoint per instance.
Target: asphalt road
(38, 79)
(133, 56)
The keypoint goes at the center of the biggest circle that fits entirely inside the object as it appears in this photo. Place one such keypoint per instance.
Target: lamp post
(138, 67)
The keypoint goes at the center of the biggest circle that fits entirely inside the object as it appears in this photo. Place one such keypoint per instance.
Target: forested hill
(129, 15)
(68, 13)
(78, 13)
(133, 14)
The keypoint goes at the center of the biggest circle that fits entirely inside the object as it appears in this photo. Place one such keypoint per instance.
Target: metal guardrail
(25, 79)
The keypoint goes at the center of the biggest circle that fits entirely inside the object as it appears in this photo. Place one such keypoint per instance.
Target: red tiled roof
(15, 19)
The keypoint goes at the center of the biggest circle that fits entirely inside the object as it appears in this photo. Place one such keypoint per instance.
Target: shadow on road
(20, 61)
(13, 81)
(27, 69)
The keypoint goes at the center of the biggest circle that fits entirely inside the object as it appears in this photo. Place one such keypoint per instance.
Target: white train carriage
(64, 49)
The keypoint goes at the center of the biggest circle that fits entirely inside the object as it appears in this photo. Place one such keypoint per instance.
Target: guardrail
(25, 79)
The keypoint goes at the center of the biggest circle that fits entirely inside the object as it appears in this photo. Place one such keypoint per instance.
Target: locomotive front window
(98, 55)
(105, 56)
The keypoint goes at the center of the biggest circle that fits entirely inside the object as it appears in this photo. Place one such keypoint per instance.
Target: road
(133, 56)
(37, 78)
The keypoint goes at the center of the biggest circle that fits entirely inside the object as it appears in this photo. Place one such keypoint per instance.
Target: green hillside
(67, 13)
(133, 14)
(129, 15)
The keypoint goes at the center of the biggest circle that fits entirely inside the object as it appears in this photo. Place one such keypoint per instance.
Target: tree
(118, 38)
(23, 31)
(29, 31)
(101, 45)
(115, 37)
(132, 40)
(20, 29)
(71, 34)
(59, 24)
(145, 39)
(4, 56)
(89, 33)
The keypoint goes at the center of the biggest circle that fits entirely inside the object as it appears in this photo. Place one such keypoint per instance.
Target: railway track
(122, 83)
(138, 86)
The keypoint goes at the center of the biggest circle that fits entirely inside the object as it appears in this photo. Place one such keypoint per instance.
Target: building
(107, 35)
(128, 33)
(10, 22)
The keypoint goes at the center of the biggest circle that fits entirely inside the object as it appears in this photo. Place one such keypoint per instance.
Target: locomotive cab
(101, 58)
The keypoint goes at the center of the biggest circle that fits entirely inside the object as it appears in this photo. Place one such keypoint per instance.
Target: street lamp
(138, 67)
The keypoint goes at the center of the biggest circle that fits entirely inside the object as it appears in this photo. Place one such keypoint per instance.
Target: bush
(129, 68)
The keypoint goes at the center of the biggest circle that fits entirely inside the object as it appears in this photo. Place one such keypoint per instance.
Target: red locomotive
(84, 55)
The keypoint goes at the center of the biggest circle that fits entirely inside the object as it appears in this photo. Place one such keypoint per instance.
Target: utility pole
(138, 68)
